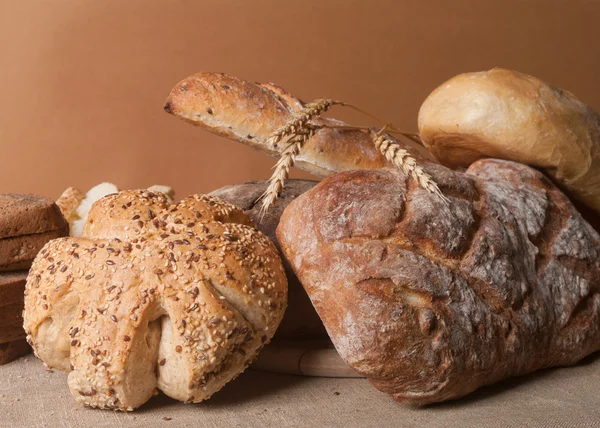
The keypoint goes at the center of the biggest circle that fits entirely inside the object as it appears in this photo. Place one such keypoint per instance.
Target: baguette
(250, 112)
(509, 115)
(431, 300)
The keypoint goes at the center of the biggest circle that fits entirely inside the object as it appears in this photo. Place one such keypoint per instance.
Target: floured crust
(249, 112)
(431, 300)
(179, 298)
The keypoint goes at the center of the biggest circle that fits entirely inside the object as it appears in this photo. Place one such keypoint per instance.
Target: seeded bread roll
(27, 222)
(300, 322)
(508, 115)
(179, 298)
(249, 112)
(432, 300)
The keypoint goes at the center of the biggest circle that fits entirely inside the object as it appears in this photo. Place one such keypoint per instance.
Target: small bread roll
(509, 115)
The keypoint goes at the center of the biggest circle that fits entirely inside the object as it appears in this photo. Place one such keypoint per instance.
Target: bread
(75, 205)
(68, 203)
(509, 115)
(12, 335)
(12, 286)
(12, 350)
(432, 300)
(27, 222)
(249, 112)
(300, 321)
(179, 298)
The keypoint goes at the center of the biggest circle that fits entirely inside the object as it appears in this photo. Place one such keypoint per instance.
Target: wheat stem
(301, 119)
(403, 160)
(283, 165)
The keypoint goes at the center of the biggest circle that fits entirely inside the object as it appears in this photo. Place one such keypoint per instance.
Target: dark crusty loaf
(249, 112)
(300, 320)
(27, 222)
(433, 300)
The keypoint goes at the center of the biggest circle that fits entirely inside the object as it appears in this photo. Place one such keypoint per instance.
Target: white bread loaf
(508, 115)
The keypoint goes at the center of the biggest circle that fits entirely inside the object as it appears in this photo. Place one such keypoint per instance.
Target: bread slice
(12, 350)
(27, 222)
(18, 252)
(27, 215)
(12, 289)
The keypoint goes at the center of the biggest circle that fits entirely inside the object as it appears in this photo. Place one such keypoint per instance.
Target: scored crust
(432, 300)
(179, 298)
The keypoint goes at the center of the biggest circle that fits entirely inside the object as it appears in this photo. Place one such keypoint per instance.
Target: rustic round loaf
(179, 298)
(509, 115)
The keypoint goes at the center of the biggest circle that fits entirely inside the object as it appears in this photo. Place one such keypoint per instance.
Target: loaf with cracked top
(432, 300)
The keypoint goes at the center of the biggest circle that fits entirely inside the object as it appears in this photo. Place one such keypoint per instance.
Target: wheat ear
(301, 119)
(403, 160)
(283, 165)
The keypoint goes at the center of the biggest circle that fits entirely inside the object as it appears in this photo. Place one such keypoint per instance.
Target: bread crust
(249, 112)
(431, 301)
(179, 298)
(509, 115)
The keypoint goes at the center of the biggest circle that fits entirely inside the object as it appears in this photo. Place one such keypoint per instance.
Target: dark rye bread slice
(300, 320)
(18, 252)
(432, 300)
(12, 350)
(27, 223)
(12, 289)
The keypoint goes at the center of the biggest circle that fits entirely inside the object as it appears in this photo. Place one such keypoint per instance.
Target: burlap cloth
(31, 396)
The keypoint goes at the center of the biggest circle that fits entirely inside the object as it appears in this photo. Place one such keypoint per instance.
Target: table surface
(31, 396)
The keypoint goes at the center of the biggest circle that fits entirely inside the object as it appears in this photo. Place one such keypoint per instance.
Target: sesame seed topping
(126, 338)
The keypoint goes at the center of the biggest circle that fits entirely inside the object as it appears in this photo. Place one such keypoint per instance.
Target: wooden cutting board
(304, 358)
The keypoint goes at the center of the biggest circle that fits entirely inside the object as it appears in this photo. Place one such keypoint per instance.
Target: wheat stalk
(299, 121)
(403, 160)
(283, 165)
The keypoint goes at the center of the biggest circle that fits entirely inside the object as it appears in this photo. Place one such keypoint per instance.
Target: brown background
(82, 82)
